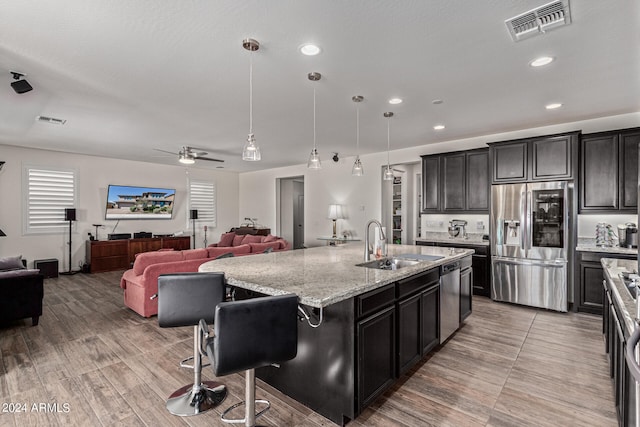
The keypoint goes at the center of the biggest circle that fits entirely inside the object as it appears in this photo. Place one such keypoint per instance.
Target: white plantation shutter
(48, 193)
(202, 196)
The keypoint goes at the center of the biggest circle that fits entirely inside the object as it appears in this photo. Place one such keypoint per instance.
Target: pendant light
(388, 172)
(357, 169)
(251, 151)
(314, 157)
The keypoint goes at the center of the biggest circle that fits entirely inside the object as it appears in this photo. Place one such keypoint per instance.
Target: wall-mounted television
(129, 202)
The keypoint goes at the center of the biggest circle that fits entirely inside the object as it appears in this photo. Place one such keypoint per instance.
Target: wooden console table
(109, 255)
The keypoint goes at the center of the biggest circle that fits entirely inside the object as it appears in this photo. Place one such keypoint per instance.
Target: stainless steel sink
(390, 263)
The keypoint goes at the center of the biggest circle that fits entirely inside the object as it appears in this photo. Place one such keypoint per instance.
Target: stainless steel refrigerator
(530, 237)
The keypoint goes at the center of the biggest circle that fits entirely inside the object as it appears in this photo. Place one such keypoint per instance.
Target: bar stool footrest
(243, 420)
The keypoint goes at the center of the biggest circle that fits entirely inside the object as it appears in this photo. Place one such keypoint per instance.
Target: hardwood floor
(97, 363)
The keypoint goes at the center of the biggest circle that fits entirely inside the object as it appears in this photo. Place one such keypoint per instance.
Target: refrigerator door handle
(529, 225)
(523, 225)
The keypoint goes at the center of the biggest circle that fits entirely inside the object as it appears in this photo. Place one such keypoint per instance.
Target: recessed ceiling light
(542, 61)
(309, 49)
(438, 127)
(553, 106)
(395, 101)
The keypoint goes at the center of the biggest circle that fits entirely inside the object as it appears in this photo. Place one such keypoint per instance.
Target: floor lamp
(69, 215)
(193, 215)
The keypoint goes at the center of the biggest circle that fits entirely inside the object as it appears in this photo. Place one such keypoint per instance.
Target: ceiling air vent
(51, 120)
(539, 20)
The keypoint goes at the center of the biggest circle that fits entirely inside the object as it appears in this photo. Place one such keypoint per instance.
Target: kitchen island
(361, 327)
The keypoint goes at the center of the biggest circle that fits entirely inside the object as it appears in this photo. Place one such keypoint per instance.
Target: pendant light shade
(314, 157)
(388, 172)
(357, 169)
(251, 151)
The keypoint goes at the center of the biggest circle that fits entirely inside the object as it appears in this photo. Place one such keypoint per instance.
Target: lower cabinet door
(409, 346)
(430, 314)
(376, 355)
(466, 280)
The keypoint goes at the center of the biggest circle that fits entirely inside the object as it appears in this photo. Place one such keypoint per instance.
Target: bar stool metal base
(186, 402)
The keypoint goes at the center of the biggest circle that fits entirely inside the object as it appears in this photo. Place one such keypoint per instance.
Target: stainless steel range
(530, 235)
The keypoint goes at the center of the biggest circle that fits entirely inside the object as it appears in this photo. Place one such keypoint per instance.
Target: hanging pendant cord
(357, 130)
(250, 91)
(388, 143)
(314, 117)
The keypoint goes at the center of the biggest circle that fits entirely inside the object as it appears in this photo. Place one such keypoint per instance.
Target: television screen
(128, 202)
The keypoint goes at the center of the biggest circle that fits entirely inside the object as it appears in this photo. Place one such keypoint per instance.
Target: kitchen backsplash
(587, 223)
(440, 222)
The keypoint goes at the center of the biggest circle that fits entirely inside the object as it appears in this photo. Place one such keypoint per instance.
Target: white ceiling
(131, 76)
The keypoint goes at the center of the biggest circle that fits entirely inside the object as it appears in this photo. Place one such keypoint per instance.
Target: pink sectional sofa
(141, 281)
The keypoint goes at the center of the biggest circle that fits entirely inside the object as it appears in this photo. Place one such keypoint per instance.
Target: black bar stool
(249, 334)
(184, 299)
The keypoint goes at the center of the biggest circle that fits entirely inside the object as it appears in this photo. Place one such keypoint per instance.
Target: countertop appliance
(449, 299)
(530, 236)
(456, 226)
(631, 236)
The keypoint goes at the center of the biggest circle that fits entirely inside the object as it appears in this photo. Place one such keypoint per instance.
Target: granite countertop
(441, 237)
(586, 244)
(612, 269)
(324, 275)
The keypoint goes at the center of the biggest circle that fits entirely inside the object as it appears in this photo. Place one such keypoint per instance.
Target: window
(47, 194)
(202, 197)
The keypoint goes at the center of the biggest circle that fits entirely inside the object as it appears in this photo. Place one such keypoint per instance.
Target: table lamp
(335, 213)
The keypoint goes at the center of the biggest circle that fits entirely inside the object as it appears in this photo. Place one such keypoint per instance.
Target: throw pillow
(237, 239)
(226, 239)
(257, 248)
(11, 263)
(269, 238)
(249, 238)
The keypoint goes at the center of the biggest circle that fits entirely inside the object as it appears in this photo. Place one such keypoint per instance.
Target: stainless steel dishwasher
(449, 299)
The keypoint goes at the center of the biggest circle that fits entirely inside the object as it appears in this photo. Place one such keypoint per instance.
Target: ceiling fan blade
(209, 159)
(165, 151)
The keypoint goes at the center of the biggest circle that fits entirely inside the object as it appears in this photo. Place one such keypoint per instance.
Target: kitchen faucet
(367, 248)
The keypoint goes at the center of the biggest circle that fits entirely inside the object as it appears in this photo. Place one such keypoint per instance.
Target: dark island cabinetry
(548, 158)
(589, 298)
(481, 264)
(456, 182)
(609, 171)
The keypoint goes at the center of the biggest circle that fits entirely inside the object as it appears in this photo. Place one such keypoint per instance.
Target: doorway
(290, 206)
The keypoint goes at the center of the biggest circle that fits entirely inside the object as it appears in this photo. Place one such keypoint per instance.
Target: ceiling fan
(188, 155)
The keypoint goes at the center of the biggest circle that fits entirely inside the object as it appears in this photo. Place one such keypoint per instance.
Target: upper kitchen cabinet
(609, 171)
(548, 158)
(456, 182)
(431, 183)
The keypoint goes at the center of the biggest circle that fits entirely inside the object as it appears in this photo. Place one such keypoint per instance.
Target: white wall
(362, 195)
(94, 174)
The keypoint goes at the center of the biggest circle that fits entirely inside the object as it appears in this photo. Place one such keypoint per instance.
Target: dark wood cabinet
(466, 289)
(547, 158)
(510, 161)
(480, 263)
(430, 183)
(609, 171)
(477, 181)
(110, 255)
(430, 318)
(409, 333)
(453, 182)
(629, 141)
(417, 327)
(456, 182)
(589, 297)
(376, 355)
